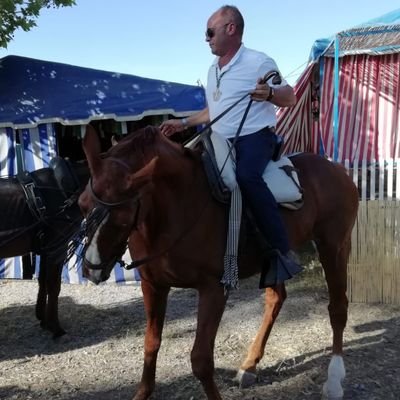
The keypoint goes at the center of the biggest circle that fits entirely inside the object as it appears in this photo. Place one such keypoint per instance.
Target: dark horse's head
(114, 201)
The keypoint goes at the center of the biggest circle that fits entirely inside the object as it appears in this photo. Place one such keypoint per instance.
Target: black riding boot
(281, 268)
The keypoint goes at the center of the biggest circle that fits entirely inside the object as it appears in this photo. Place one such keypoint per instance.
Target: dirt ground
(101, 356)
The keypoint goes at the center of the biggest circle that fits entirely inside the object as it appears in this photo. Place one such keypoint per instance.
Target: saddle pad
(281, 185)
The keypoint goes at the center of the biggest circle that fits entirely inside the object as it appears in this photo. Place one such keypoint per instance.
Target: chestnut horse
(24, 229)
(154, 193)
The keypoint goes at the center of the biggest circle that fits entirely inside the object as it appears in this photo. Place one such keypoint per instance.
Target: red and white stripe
(296, 124)
(369, 104)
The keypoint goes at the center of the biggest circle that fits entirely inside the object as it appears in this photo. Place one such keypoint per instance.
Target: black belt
(267, 129)
(271, 129)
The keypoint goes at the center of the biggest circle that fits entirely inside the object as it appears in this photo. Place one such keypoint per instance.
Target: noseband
(107, 204)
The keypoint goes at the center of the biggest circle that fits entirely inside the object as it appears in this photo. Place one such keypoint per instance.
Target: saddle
(66, 182)
(219, 189)
(65, 176)
(280, 174)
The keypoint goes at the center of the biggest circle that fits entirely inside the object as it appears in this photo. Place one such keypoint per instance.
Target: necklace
(217, 93)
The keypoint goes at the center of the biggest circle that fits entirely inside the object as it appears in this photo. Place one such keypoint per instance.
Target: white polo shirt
(236, 79)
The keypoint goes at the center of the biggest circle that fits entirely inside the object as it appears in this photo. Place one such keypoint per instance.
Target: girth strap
(288, 169)
(34, 198)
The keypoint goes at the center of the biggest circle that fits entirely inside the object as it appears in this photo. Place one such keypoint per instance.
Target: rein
(276, 79)
(105, 210)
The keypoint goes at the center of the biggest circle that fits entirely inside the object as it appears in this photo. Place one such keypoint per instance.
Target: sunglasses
(210, 32)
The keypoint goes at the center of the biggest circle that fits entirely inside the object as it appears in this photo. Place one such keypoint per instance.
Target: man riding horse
(234, 72)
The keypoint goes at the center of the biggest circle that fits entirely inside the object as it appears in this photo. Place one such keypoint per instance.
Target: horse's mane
(145, 143)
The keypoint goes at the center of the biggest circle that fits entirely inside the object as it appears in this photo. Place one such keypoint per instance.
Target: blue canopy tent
(37, 95)
(35, 92)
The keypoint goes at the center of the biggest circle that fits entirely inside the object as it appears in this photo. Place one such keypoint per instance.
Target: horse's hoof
(245, 379)
(58, 333)
(328, 395)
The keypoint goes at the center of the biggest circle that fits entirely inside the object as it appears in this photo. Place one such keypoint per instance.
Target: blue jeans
(253, 153)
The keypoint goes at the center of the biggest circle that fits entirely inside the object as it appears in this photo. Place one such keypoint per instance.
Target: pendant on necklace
(217, 94)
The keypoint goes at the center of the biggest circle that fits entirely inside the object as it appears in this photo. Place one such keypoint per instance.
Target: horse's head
(112, 202)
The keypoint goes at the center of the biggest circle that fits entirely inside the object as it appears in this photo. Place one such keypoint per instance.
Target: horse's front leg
(210, 309)
(41, 299)
(155, 303)
(53, 287)
(274, 298)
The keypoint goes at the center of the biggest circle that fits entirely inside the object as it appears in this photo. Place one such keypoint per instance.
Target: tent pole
(336, 101)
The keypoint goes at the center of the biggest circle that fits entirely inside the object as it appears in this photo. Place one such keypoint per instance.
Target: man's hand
(168, 128)
(261, 92)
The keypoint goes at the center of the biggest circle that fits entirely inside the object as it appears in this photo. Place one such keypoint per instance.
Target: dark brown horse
(44, 232)
(155, 193)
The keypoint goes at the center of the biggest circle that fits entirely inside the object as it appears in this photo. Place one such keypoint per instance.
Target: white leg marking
(332, 389)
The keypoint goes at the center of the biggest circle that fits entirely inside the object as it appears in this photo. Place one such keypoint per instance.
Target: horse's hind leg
(155, 303)
(274, 298)
(334, 261)
(210, 309)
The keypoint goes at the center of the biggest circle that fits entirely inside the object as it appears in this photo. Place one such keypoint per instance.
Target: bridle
(106, 204)
(93, 221)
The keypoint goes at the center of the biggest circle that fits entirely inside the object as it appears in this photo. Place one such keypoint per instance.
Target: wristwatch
(271, 94)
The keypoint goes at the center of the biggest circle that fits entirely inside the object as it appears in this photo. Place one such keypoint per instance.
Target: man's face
(216, 34)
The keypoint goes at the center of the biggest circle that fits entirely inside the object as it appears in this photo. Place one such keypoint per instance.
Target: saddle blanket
(285, 189)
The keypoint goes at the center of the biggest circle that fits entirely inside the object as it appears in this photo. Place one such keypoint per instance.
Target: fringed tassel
(230, 278)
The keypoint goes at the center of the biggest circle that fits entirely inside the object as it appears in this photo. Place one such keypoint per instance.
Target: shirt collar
(233, 60)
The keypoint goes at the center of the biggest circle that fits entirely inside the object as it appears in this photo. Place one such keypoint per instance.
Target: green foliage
(22, 14)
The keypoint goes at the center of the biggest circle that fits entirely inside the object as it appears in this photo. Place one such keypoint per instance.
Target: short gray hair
(235, 16)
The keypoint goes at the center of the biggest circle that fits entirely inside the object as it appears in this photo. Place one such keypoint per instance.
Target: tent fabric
(368, 100)
(11, 267)
(35, 92)
(39, 146)
(292, 125)
(378, 36)
(8, 163)
(369, 108)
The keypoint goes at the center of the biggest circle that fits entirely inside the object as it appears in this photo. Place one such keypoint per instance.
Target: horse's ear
(144, 174)
(92, 148)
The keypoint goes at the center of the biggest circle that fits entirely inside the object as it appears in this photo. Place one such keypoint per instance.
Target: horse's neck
(181, 196)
